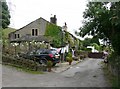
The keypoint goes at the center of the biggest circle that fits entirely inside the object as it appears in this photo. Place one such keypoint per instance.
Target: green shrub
(54, 32)
(69, 59)
(69, 55)
(49, 63)
(114, 59)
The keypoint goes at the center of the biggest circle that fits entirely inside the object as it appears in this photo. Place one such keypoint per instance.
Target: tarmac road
(85, 74)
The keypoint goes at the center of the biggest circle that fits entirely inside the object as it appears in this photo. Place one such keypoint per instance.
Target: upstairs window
(17, 36)
(34, 32)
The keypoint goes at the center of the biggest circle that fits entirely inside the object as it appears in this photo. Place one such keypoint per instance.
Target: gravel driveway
(85, 74)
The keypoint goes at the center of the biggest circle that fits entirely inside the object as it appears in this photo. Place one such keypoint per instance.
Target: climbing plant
(55, 33)
(59, 38)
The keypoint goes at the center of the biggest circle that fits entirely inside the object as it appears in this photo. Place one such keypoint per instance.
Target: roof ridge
(32, 22)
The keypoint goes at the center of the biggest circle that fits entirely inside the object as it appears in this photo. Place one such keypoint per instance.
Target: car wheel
(43, 61)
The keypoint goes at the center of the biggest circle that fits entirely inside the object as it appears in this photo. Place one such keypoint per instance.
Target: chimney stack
(53, 20)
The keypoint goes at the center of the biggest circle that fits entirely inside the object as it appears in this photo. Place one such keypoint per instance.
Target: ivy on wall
(55, 33)
(69, 39)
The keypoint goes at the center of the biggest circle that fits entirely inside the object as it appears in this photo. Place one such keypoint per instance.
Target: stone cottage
(33, 29)
(41, 30)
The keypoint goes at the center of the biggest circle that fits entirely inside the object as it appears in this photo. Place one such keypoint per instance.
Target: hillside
(7, 31)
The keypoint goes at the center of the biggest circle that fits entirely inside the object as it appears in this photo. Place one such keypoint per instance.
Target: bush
(69, 55)
(22, 63)
(114, 59)
(114, 66)
(69, 59)
(49, 63)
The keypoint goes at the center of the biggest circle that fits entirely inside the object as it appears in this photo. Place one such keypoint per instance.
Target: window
(17, 36)
(34, 32)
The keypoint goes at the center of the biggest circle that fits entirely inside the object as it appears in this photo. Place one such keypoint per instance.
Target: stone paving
(61, 67)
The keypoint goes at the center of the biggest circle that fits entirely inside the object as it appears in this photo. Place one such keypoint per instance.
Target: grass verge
(24, 69)
(111, 78)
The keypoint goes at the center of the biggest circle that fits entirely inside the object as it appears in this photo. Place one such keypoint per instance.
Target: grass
(25, 70)
(5, 34)
(111, 78)
(30, 71)
(7, 31)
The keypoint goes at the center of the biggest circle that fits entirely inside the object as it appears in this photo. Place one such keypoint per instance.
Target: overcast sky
(26, 11)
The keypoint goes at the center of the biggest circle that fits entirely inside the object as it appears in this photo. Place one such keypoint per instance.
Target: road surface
(85, 74)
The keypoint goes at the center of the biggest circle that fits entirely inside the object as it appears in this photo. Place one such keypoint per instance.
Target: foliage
(113, 79)
(103, 22)
(56, 42)
(89, 41)
(69, 57)
(95, 39)
(6, 32)
(114, 60)
(86, 42)
(58, 37)
(49, 63)
(97, 47)
(69, 39)
(5, 16)
(55, 33)
(24, 64)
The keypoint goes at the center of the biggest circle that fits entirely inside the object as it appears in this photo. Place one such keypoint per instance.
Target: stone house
(35, 28)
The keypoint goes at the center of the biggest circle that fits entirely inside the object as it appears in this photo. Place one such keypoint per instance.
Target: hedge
(22, 63)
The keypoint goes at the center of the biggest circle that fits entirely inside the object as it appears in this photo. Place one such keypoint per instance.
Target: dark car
(43, 55)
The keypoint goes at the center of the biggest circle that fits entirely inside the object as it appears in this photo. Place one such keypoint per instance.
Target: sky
(25, 11)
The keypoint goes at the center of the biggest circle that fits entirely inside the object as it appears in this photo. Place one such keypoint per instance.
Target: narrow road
(85, 74)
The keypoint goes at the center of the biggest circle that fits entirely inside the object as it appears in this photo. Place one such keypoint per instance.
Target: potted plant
(49, 65)
(69, 58)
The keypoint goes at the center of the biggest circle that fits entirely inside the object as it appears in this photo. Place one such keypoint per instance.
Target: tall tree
(95, 40)
(86, 42)
(5, 15)
(103, 22)
(4, 20)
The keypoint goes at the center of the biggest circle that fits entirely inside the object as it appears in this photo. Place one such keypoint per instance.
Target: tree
(103, 22)
(86, 42)
(4, 20)
(95, 39)
(5, 16)
(96, 46)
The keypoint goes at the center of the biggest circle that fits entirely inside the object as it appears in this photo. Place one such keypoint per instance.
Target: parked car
(43, 55)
